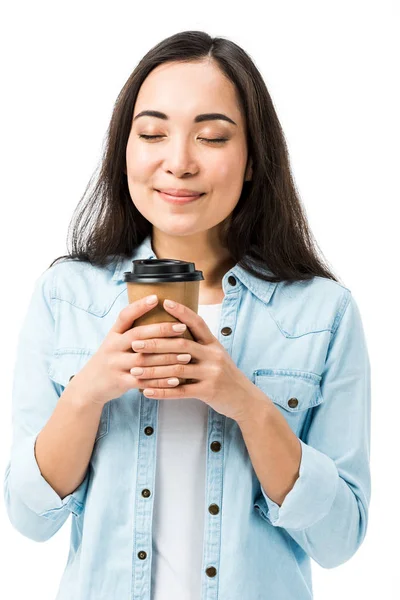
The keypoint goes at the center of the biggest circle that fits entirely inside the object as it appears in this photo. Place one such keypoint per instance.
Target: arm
(42, 489)
(274, 450)
(325, 508)
(65, 444)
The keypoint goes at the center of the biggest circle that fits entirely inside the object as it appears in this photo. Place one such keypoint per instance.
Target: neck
(203, 249)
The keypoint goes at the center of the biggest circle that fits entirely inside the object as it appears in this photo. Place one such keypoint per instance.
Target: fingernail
(184, 357)
(170, 304)
(173, 381)
(151, 299)
(136, 345)
(137, 371)
(180, 327)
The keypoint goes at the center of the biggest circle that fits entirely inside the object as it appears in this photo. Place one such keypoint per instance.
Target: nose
(180, 158)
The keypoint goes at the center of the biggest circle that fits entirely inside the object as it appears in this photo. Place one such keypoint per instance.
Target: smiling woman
(191, 148)
(213, 129)
(226, 486)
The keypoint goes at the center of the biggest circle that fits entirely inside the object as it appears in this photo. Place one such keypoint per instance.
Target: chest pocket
(64, 366)
(293, 393)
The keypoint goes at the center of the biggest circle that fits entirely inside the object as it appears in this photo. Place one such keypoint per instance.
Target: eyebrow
(198, 119)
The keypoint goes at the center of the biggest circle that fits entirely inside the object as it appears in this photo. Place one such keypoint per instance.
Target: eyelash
(214, 141)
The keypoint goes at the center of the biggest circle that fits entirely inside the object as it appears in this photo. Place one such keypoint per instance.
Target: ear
(249, 170)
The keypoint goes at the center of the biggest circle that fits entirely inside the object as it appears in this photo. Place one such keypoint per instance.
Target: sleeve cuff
(36, 493)
(311, 497)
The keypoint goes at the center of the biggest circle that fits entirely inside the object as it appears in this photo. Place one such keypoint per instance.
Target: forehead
(183, 90)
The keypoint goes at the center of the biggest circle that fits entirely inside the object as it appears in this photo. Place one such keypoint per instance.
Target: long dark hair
(267, 234)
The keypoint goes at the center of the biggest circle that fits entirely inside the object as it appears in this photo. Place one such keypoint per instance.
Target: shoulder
(81, 284)
(318, 289)
(307, 306)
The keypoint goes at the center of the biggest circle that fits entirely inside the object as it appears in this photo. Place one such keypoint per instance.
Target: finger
(131, 312)
(136, 359)
(156, 330)
(167, 345)
(144, 332)
(183, 371)
(196, 324)
(157, 383)
(186, 390)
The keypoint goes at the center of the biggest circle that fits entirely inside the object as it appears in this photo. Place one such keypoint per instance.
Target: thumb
(133, 311)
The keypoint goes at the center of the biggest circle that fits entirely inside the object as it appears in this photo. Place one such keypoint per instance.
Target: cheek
(139, 161)
(223, 171)
(227, 183)
(227, 168)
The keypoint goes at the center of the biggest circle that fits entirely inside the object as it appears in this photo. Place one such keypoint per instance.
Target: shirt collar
(262, 289)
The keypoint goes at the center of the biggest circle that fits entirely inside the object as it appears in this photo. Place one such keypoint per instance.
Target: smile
(179, 199)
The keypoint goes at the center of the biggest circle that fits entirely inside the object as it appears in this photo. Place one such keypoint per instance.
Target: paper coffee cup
(168, 278)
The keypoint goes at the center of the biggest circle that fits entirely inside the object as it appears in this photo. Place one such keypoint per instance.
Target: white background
(331, 71)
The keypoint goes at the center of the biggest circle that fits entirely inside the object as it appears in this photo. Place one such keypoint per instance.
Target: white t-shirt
(179, 495)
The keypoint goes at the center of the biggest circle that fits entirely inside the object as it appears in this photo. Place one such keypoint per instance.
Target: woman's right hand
(107, 374)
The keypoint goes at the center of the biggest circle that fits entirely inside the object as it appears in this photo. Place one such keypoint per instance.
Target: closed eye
(213, 141)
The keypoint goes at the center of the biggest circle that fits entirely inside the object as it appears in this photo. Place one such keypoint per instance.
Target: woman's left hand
(218, 381)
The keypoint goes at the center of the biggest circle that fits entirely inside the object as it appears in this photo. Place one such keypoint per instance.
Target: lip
(178, 199)
(180, 192)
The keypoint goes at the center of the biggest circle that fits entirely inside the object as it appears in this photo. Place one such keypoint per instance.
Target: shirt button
(145, 493)
(226, 331)
(148, 430)
(142, 555)
(213, 509)
(215, 446)
(232, 280)
(211, 571)
(293, 402)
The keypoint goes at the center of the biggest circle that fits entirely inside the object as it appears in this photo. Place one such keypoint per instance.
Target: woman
(225, 485)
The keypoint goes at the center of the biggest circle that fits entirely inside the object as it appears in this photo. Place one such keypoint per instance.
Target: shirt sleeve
(33, 506)
(326, 511)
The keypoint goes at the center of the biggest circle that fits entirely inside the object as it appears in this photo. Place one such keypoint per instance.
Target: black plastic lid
(162, 270)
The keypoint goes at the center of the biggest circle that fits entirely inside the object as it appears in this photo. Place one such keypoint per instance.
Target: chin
(180, 229)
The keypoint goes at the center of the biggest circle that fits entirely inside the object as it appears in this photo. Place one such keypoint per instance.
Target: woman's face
(182, 156)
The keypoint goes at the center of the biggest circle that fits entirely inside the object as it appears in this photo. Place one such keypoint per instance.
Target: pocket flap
(63, 367)
(293, 390)
(67, 364)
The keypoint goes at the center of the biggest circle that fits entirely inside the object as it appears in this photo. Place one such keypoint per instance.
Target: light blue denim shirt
(302, 344)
